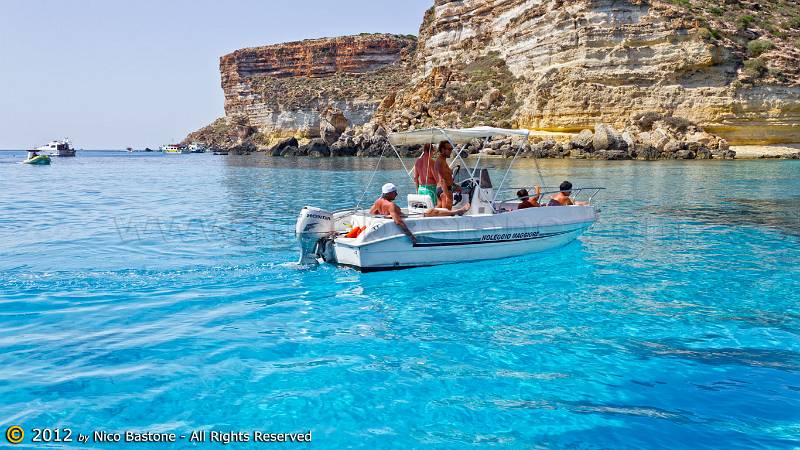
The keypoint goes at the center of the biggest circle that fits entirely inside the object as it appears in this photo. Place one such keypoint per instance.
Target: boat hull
(41, 160)
(457, 239)
(62, 153)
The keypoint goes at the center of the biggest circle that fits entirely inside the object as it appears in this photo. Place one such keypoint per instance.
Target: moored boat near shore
(174, 149)
(195, 147)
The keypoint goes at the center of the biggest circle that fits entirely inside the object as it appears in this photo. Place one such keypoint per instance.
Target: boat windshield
(462, 174)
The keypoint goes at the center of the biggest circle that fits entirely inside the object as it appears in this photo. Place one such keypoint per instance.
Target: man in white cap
(385, 206)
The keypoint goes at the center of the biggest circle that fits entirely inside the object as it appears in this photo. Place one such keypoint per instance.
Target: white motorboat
(195, 147)
(492, 228)
(174, 149)
(57, 148)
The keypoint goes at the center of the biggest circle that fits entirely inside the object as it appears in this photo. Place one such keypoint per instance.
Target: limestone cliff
(565, 66)
(282, 89)
(731, 67)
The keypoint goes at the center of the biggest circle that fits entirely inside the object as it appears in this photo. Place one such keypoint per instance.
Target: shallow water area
(160, 293)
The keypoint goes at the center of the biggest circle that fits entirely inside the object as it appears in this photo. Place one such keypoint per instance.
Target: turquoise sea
(159, 293)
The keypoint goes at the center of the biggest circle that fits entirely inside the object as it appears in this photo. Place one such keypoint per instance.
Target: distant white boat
(194, 147)
(57, 148)
(175, 149)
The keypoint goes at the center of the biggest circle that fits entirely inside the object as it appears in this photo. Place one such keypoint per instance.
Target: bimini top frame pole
(372, 177)
(505, 175)
(454, 135)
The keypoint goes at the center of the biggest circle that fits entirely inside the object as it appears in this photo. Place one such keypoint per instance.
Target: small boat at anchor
(36, 159)
(196, 147)
(492, 227)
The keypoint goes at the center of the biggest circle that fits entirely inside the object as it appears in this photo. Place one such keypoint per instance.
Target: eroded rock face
(578, 63)
(605, 137)
(584, 139)
(277, 149)
(332, 124)
(283, 89)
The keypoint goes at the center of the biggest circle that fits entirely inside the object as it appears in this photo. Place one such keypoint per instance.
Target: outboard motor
(313, 225)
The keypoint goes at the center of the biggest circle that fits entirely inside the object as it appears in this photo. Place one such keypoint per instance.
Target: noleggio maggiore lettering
(509, 236)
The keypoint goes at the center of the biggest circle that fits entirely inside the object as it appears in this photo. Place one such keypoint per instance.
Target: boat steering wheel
(467, 187)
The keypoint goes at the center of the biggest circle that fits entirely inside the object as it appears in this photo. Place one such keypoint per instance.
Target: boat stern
(313, 226)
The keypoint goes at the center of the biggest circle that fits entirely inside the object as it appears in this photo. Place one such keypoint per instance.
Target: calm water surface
(160, 293)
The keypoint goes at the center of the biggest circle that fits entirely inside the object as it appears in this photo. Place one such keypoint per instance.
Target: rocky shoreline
(648, 136)
(785, 151)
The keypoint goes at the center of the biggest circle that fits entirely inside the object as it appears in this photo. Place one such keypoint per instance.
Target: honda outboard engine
(313, 225)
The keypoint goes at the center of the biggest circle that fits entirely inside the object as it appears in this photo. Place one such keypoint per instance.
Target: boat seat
(419, 204)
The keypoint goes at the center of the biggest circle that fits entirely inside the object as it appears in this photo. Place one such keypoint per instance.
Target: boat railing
(365, 213)
(583, 194)
(345, 209)
(362, 212)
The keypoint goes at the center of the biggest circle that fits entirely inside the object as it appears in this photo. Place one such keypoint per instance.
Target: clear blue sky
(113, 73)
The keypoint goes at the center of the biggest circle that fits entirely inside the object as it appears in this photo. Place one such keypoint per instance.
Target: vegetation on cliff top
(764, 34)
(314, 92)
(464, 94)
(487, 92)
(218, 134)
(406, 36)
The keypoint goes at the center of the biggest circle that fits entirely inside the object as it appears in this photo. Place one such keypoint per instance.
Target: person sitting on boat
(385, 206)
(526, 200)
(33, 153)
(425, 174)
(563, 197)
(445, 186)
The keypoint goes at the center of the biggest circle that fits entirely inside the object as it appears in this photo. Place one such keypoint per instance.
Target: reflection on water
(757, 357)
(782, 214)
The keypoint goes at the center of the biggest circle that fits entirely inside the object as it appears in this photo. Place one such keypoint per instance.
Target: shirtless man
(425, 174)
(563, 197)
(444, 188)
(385, 206)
